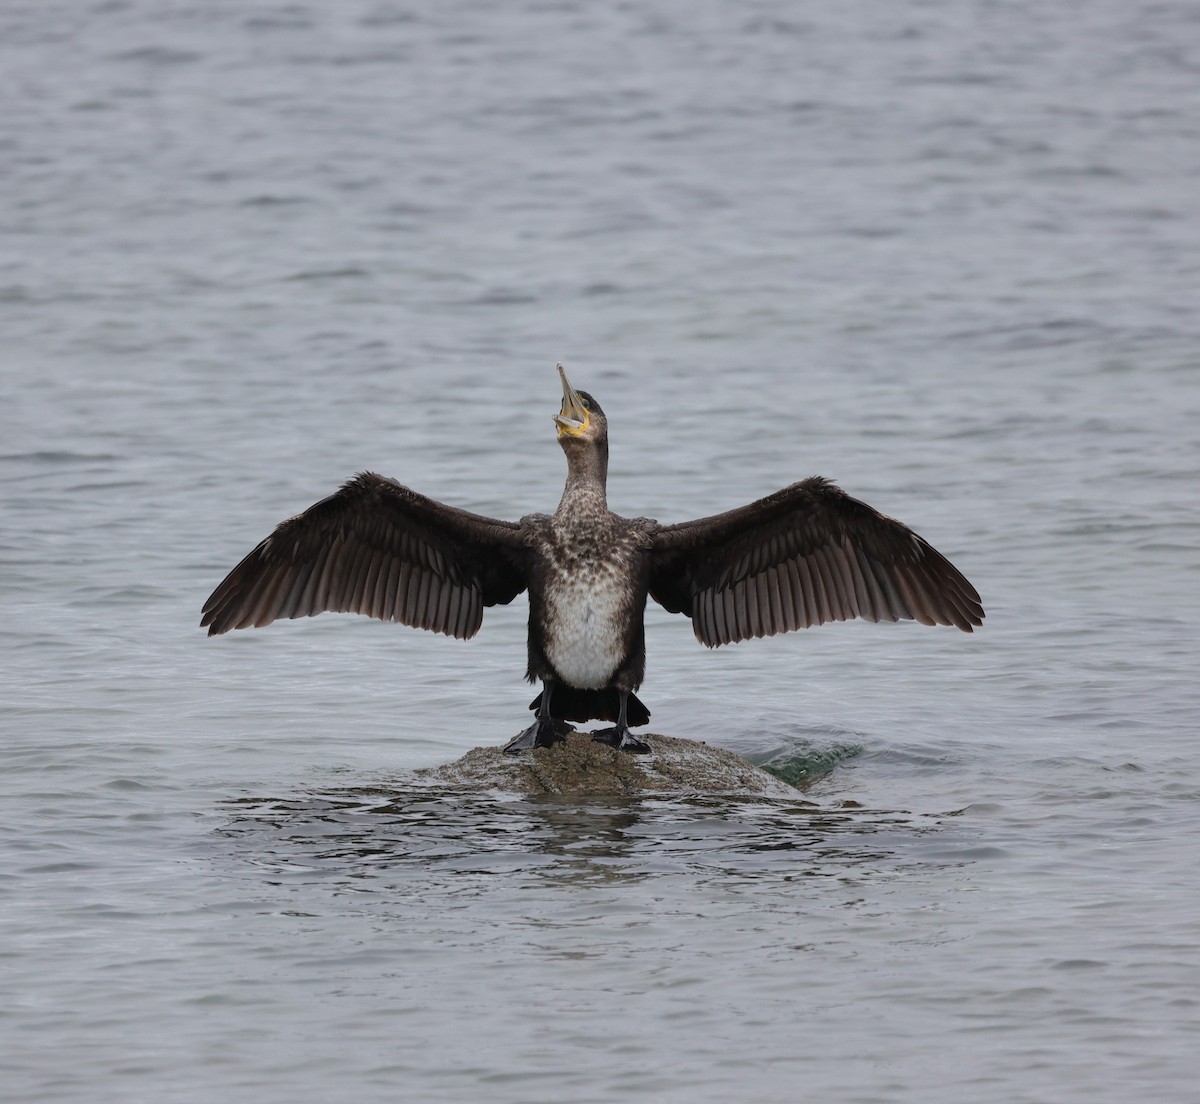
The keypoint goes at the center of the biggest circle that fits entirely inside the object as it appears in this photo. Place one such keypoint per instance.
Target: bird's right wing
(376, 548)
(800, 557)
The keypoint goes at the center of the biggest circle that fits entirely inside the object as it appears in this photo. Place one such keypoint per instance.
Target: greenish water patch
(799, 765)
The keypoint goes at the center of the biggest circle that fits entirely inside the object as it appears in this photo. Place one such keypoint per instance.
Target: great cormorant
(800, 557)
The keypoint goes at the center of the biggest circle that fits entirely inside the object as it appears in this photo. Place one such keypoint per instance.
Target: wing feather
(837, 610)
(775, 618)
(412, 593)
(869, 606)
(786, 614)
(808, 588)
(354, 574)
(800, 557)
(391, 589)
(378, 590)
(297, 581)
(750, 589)
(376, 548)
(840, 564)
(819, 610)
(306, 604)
(268, 603)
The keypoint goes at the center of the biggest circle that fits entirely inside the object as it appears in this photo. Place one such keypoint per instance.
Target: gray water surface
(946, 254)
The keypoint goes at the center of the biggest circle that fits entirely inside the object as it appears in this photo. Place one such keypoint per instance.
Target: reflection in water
(415, 834)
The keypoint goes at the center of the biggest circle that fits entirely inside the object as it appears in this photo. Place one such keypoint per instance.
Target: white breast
(585, 637)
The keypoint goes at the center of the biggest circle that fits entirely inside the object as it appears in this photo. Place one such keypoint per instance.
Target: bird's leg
(620, 737)
(544, 731)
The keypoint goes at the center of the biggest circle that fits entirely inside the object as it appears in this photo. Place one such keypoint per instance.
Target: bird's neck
(587, 477)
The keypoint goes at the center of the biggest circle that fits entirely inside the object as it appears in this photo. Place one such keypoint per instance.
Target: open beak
(574, 417)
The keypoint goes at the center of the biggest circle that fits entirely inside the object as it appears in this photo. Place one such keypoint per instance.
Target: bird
(806, 555)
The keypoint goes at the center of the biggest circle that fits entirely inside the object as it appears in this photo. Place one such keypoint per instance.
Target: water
(944, 254)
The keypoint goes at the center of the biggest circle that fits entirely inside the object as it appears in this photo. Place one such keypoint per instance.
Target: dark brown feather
(379, 549)
(800, 557)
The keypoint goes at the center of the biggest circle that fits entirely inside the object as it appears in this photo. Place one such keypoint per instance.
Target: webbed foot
(622, 739)
(544, 732)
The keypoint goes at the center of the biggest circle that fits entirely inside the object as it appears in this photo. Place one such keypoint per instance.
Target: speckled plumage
(591, 596)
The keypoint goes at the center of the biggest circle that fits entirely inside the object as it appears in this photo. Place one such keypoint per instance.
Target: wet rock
(582, 766)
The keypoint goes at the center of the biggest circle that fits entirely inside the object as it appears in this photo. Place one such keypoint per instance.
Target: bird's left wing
(376, 548)
(800, 557)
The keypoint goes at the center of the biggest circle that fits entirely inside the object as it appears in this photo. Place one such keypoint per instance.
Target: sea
(946, 254)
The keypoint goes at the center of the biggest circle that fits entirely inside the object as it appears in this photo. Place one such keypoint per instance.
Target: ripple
(429, 836)
(349, 272)
(159, 55)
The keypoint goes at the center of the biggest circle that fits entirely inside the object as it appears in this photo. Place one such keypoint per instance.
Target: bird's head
(580, 418)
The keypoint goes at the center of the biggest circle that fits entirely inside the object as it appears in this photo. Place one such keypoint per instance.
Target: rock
(581, 766)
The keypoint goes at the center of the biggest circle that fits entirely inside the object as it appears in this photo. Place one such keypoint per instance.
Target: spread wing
(379, 549)
(800, 557)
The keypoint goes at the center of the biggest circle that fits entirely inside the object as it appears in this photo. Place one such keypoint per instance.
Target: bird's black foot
(622, 739)
(544, 732)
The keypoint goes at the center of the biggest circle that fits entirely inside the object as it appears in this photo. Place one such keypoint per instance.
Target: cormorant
(800, 557)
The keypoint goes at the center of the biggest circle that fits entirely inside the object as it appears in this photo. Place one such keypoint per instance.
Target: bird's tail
(570, 704)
